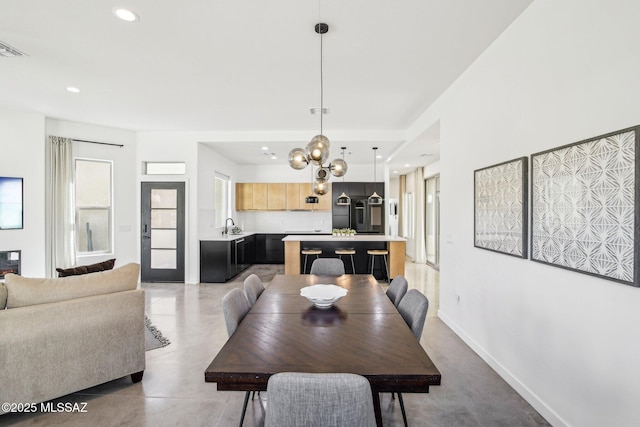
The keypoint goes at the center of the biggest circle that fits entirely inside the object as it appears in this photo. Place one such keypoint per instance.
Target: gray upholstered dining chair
(327, 267)
(397, 289)
(318, 400)
(413, 309)
(253, 287)
(235, 306)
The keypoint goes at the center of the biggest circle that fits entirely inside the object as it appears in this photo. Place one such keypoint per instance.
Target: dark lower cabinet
(222, 260)
(269, 249)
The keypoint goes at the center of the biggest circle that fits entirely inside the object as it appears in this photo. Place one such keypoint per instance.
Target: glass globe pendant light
(298, 159)
(316, 152)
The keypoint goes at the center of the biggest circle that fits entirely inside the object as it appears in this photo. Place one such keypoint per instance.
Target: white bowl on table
(323, 296)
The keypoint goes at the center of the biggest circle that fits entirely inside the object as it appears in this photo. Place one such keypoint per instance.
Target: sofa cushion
(84, 269)
(23, 291)
(3, 296)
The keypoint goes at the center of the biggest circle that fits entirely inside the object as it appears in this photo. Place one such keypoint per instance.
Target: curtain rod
(101, 143)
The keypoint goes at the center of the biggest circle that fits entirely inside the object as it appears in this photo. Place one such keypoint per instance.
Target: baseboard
(551, 416)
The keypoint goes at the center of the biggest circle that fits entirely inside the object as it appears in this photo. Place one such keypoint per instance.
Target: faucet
(226, 227)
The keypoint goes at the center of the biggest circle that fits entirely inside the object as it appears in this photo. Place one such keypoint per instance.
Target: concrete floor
(173, 391)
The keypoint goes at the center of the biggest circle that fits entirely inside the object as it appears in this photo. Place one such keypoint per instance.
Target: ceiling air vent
(8, 51)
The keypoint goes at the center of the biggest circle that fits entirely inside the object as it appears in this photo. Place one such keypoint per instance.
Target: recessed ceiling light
(125, 14)
(274, 157)
(406, 165)
(73, 89)
(265, 148)
(378, 156)
(395, 171)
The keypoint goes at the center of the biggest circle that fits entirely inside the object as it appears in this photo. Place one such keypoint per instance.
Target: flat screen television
(11, 203)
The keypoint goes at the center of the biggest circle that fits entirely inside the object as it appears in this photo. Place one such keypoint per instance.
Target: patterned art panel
(501, 208)
(583, 206)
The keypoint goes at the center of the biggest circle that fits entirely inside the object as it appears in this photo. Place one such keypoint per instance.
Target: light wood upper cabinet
(244, 196)
(260, 196)
(277, 200)
(305, 190)
(293, 195)
(278, 197)
(326, 202)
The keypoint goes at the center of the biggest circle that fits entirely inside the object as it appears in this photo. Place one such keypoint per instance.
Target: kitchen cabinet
(326, 201)
(269, 249)
(277, 200)
(220, 260)
(305, 190)
(260, 196)
(279, 197)
(244, 196)
(360, 216)
(294, 199)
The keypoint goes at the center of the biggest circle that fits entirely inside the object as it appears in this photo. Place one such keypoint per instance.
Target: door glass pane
(163, 258)
(161, 218)
(163, 239)
(164, 199)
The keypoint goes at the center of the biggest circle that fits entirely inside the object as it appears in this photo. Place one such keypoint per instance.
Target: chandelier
(317, 150)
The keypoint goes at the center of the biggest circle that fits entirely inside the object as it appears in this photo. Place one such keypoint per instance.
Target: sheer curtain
(63, 247)
(419, 210)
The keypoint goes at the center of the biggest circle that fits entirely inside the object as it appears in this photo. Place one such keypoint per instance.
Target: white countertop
(356, 238)
(227, 237)
(231, 237)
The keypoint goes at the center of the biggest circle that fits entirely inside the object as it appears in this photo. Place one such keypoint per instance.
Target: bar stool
(347, 251)
(309, 251)
(379, 252)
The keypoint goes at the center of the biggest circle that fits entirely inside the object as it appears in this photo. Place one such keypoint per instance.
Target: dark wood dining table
(362, 333)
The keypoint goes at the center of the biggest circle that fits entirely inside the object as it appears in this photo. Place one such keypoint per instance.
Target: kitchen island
(293, 258)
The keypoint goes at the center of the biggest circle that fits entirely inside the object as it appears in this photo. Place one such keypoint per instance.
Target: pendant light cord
(321, 87)
(374, 164)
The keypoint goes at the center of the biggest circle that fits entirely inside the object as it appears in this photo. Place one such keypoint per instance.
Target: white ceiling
(248, 68)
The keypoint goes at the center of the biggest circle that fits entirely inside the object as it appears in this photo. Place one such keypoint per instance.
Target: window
(407, 215)
(93, 206)
(165, 168)
(221, 197)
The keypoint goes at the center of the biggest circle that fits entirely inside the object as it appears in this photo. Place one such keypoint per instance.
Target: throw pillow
(84, 269)
(23, 291)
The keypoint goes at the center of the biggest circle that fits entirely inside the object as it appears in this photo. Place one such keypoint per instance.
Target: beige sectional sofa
(59, 336)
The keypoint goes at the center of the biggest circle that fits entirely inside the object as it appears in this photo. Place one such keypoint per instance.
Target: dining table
(362, 333)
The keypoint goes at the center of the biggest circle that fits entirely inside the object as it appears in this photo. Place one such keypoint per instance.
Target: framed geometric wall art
(584, 206)
(500, 207)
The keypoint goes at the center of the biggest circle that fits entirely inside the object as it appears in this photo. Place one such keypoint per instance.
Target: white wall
(210, 162)
(563, 72)
(125, 213)
(431, 170)
(22, 145)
